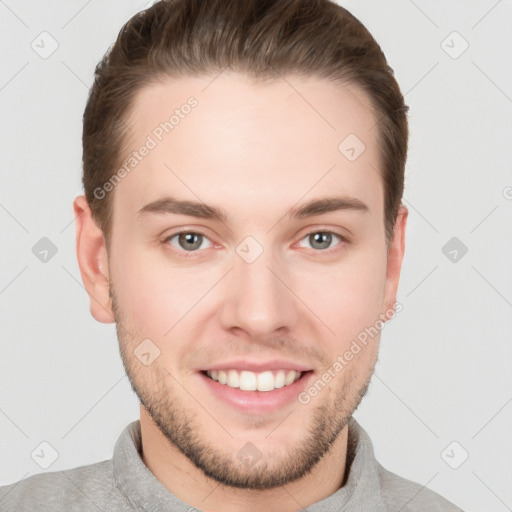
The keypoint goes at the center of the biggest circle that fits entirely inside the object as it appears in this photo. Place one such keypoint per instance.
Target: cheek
(154, 295)
(349, 297)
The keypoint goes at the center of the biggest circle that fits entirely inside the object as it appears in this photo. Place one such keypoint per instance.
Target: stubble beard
(179, 423)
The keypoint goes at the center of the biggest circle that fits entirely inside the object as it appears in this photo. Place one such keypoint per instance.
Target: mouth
(266, 381)
(256, 393)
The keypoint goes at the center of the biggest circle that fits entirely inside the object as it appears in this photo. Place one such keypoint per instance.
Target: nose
(259, 298)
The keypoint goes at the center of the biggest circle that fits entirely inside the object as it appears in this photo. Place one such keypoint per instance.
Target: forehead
(229, 141)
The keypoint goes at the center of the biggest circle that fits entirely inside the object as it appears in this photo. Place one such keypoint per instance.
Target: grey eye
(321, 240)
(188, 241)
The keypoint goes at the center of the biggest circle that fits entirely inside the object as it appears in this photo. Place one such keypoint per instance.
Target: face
(259, 286)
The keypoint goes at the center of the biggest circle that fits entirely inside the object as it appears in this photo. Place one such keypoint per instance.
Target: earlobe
(93, 261)
(394, 260)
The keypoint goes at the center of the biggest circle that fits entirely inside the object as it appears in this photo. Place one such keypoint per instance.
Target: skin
(255, 149)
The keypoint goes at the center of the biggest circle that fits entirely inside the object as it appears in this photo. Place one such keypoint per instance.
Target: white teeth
(233, 380)
(248, 381)
(290, 377)
(279, 379)
(266, 381)
(251, 381)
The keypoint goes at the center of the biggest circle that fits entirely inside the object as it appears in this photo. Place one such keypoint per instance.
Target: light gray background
(444, 372)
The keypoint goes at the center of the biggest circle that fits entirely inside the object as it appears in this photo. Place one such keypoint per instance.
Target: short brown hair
(261, 38)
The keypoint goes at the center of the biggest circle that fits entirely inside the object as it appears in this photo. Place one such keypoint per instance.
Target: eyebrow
(202, 210)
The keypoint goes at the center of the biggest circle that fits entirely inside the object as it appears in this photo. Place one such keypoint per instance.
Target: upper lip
(258, 366)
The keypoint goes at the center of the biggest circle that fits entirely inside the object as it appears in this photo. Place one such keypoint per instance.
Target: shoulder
(82, 488)
(405, 495)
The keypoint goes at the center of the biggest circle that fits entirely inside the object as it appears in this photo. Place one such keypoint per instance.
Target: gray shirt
(124, 483)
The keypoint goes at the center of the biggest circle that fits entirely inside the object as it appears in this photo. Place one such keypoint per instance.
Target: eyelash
(193, 254)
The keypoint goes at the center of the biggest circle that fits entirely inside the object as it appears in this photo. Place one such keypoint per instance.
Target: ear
(394, 262)
(92, 257)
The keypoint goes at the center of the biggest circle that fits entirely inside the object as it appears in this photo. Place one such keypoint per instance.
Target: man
(271, 137)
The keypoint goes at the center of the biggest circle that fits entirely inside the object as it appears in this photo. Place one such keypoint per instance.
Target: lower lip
(258, 401)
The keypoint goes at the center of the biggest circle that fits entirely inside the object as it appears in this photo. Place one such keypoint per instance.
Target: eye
(188, 242)
(321, 240)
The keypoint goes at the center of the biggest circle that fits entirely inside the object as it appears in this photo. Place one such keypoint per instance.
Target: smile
(252, 381)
